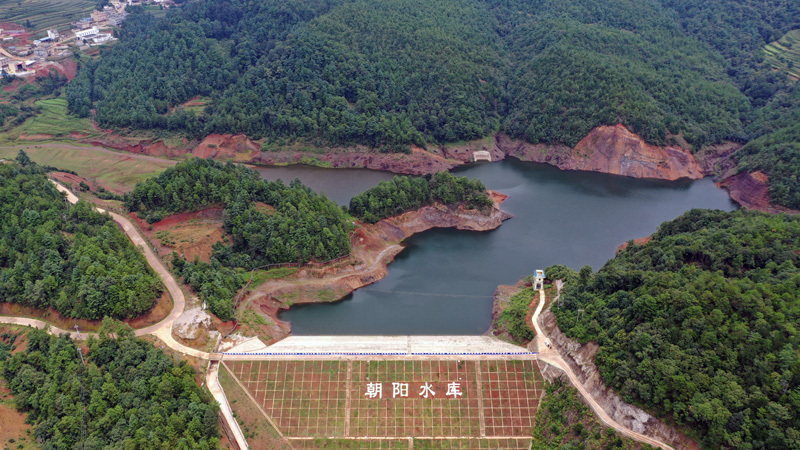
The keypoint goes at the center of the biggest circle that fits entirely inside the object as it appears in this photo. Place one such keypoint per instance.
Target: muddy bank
(418, 162)
(374, 247)
(581, 360)
(606, 149)
(751, 190)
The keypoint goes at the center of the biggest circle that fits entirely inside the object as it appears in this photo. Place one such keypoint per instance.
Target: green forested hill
(701, 323)
(390, 73)
(123, 394)
(268, 222)
(404, 193)
(67, 257)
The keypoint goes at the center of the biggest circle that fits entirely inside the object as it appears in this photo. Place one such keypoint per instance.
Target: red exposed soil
(180, 218)
(14, 86)
(70, 67)
(225, 146)
(191, 234)
(640, 241)
(751, 190)
(145, 147)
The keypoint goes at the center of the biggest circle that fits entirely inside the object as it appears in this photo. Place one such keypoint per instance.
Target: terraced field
(784, 54)
(45, 14)
(53, 121)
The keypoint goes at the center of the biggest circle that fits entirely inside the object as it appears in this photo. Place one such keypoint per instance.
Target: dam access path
(299, 348)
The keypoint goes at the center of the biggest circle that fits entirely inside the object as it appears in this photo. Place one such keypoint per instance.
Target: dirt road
(551, 356)
(161, 329)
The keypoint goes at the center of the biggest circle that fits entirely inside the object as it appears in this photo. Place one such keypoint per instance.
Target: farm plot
(784, 54)
(394, 404)
(44, 14)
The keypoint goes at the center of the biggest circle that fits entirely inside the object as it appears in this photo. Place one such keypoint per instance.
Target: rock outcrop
(751, 190)
(440, 216)
(581, 360)
(610, 149)
(192, 323)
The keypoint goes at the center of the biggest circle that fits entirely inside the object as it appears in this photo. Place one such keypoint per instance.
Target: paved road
(304, 347)
(212, 381)
(551, 356)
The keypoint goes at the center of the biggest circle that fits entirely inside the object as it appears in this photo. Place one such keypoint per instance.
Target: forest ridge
(390, 74)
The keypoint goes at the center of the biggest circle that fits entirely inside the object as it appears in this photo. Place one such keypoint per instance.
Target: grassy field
(53, 121)
(257, 430)
(45, 14)
(261, 276)
(784, 54)
(308, 399)
(118, 172)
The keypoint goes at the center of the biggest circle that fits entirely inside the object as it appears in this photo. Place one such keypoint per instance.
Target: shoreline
(374, 248)
(612, 150)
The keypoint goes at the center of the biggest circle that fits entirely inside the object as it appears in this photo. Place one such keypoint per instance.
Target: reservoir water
(443, 282)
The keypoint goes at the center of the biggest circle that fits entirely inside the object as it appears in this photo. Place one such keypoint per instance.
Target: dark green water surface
(443, 282)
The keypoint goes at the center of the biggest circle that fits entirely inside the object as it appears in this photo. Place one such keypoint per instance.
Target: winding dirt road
(162, 329)
(550, 356)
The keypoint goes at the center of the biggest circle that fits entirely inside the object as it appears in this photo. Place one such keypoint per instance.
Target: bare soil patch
(191, 235)
(13, 429)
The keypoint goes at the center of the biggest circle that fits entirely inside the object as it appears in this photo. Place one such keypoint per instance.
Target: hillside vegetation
(123, 393)
(296, 226)
(67, 257)
(565, 422)
(411, 72)
(390, 74)
(701, 324)
(404, 193)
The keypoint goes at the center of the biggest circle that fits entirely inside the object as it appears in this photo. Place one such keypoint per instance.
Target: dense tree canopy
(391, 73)
(268, 223)
(702, 324)
(215, 284)
(404, 193)
(67, 257)
(127, 394)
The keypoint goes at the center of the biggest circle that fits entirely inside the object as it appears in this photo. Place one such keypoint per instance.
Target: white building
(86, 33)
(538, 279)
